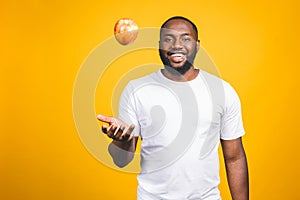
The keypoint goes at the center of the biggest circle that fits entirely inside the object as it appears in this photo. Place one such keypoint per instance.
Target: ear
(198, 45)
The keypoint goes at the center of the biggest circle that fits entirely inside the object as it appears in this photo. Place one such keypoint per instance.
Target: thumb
(104, 118)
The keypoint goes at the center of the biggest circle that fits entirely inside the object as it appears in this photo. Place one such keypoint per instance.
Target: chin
(178, 70)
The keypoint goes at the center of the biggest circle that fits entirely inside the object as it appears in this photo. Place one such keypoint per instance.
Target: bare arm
(236, 168)
(122, 152)
(123, 146)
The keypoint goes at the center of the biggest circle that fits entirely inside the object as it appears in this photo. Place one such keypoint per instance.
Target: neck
(188, 76)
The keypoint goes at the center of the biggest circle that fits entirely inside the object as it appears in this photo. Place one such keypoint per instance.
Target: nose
(177, 44)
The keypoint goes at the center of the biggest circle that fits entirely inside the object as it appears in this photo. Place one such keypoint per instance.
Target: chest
(165, 112)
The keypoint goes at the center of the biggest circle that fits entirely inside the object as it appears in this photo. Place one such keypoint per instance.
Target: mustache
(174, 50)
(175, 71)
(169, 53)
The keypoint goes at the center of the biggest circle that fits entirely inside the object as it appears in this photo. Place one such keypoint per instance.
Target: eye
(168, 39)
(186, 39)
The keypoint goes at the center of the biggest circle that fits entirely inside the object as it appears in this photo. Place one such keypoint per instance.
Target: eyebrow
(184, 34)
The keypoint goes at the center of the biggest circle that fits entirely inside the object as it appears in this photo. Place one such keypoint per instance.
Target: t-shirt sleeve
(127, 109)
(232, 123)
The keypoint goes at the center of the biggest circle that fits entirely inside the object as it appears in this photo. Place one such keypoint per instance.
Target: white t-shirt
(180, 124)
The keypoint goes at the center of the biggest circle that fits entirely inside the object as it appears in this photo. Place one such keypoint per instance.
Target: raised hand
(117, 129)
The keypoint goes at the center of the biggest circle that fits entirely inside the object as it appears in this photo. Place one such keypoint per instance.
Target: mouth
(176, 57)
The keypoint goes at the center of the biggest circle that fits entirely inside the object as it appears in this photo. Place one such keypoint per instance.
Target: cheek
(192, 48)
(164, 46)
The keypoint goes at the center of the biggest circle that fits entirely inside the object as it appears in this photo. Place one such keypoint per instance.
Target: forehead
(178, 26)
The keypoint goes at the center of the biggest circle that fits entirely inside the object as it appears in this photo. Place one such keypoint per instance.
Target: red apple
(126, 31)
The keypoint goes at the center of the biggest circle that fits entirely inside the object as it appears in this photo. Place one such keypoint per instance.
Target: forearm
(122, 152)
(237, 175)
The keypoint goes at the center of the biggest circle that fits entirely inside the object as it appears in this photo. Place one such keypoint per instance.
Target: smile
(176, 56)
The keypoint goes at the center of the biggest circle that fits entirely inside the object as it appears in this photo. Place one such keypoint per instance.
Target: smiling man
(181, 114)
(178, 46)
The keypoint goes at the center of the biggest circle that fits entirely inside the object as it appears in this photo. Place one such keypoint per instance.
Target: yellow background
(255, 45)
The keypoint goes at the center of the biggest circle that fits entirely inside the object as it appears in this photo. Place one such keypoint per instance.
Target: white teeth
(177, 55)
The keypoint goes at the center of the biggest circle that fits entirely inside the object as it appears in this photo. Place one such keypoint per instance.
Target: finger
(111, 130)
(130, 137)
(128, 133)
(119, 134)
(104, 129)
(104, 118)
(117, 129)
(129, 130)
(122, 127)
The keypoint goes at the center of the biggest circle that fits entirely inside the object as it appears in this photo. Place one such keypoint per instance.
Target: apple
(125, 31)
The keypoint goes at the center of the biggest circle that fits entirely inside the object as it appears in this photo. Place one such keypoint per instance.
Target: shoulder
(219, 88)
(216, 85)
(135, 84)
(137, 87)
(213, 80)
(144, 79)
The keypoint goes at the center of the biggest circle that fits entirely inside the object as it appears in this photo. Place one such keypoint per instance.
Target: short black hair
(182, 18)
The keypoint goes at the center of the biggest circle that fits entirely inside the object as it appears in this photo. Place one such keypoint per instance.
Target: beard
(177, 71)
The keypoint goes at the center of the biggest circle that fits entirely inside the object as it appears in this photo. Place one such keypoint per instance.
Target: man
(181, 113)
